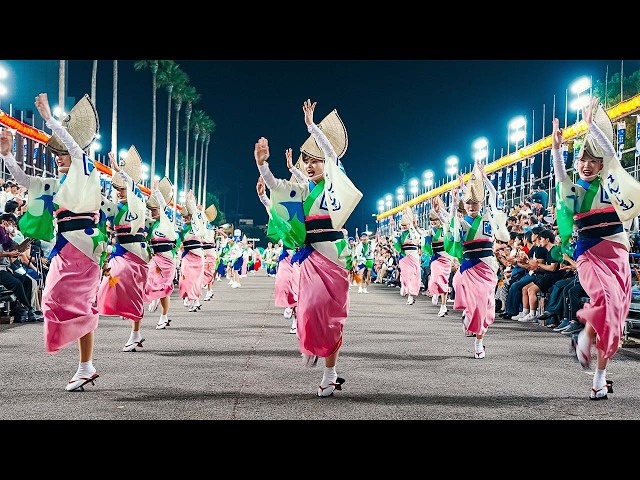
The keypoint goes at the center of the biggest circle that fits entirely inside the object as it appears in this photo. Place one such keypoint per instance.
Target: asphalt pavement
(236, 360)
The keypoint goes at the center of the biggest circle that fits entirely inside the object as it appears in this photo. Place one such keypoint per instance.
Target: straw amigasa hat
(335, 131)
(81, 123)
(433, 215)
(166, 189)
(461, 207)
(589, 143)
(211, 213)
(475, 187)
(131, 164)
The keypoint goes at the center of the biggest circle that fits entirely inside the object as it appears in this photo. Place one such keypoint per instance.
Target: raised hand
(308, 108)
(113, 162)
(589, 109)
(261, 151)
(42, 104)
(556, 134)
(288, 153)
(6, 141)
(260, 186)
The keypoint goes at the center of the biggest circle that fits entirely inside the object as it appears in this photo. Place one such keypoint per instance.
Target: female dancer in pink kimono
(121, 291)
(325, 202)
(80, 245)
(598, 203)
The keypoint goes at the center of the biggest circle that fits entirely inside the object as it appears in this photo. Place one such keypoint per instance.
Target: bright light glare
(428, 174)
(579, 102)
(452, 161)
(3, 73)
(517, 122)
(452, 171)
(123, 153)
(413, 182)
(96, 146)
(380, 202)
(156, 177)
(388, 197)
(480, 143)
(517, 136)
(580, 85)
(428, 182)
(400, 190)
(3, 90)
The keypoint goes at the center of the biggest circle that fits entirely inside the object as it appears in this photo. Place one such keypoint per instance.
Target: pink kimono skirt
(162, 271)
(439, 278)
(323, 305)
(605, 275)
(68, 298)
(121, 293)
(285, 288)
(475, 294)
(191, 276)
(410, 274)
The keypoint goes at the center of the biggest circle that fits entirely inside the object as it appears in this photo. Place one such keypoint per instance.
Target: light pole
(480, 149)
(400, 195)
(452, 166)
(579, 86)
(517, 132)
(427, 180)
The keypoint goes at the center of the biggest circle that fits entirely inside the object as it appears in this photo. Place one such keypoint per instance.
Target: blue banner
(622, 129)
(637, 138)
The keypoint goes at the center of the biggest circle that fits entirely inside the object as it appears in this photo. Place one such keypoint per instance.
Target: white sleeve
(67, 139)
(266, 201)
(296, 172)
(160, 199)
(270, 181)
(492, 193)
(602, 139)
(559, 170)
(323, 142)
(15, 170)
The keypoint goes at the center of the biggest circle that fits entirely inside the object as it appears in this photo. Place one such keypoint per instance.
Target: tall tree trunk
(206, 165)
(154, 87)
(114, 116)
(168, 156)
(175, 163)
(202, 199)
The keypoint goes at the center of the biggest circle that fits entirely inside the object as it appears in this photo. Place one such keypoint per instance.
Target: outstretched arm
(6, 145)
(559, 169)
(587, 113)
(295, 171)
(319, 136)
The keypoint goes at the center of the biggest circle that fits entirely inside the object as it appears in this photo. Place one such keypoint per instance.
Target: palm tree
(152, 65)
(169, 74)
(114, 115)
(178, 90)
(189, 96)
(208, 126)
(198, 119)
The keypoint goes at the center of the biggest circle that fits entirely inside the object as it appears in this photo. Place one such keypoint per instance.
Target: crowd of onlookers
(537, 279)
(23, 262)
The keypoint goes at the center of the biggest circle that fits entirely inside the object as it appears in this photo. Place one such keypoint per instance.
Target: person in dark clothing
(20, 285)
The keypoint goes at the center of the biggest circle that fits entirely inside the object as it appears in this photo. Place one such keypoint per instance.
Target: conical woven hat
(461, 207)
(433, 215)
(166, 189)
(475, 187)
(131, 164)
(81, 123)
(589, 143)
(335, 131)
(211, 212)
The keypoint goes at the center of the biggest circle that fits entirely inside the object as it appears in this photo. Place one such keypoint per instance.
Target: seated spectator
(20, 285)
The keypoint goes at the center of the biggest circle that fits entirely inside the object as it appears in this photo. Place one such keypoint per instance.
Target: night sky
(416, 111)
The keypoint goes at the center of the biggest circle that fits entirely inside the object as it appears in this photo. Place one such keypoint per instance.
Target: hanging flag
(622, 130)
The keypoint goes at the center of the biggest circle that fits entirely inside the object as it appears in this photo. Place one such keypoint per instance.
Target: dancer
(325, 202)
(74, 268)
(192, 261)
(121, 291)
(600, 201)
(285, 288)
(363, 261)
(210, 252)
(161, 237)
(475, 281)
(408, 243)
(441, 261)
